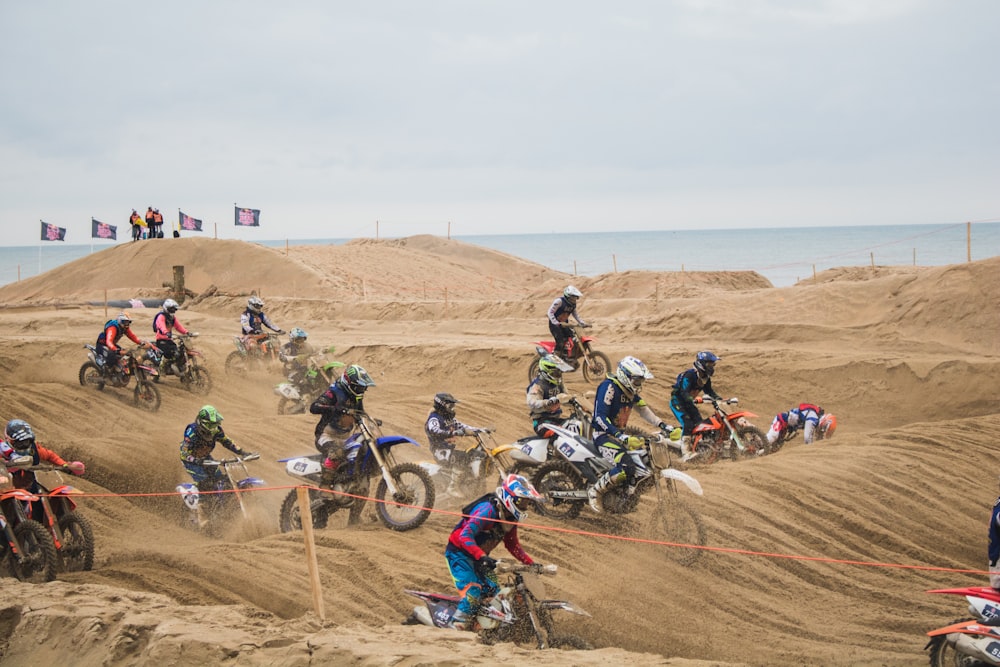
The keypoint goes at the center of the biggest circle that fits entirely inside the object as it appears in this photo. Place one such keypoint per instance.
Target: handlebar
(214, 463)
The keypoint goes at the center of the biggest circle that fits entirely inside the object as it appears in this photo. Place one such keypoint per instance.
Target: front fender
(387, 441)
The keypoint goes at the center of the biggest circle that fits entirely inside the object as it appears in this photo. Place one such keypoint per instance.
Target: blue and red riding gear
(806, 416)
(254, 319)
(559, 313)
(200, 438)
(488, 521)
(337, 423)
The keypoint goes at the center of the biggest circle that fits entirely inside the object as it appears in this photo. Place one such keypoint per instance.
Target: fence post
(614, 261)
(305, 516)
(814, 272)
(968, 241)
(574, 267)
(873, 260)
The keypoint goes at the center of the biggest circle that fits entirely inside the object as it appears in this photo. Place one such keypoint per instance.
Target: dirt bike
(725, 435)
(530, 452)
(56, 512)
(595, 365)
(186, 365)
(404, 495)
(520, 612)
(971, 641)
(564, 480)
(216, 503)
(824, 431)
(261, 354)
(28, 552)
(95, 373)
(479, 469)
(295, 396)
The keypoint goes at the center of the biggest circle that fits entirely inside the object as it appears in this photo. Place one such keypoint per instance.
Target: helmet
(516, 493)
(20, 436)
(445, 404)
(631, 373)
(551, 368)
(170, 306)
(124, 319)
(297, 334)
(572, 294)
(255, 303)
(704, 363)
(209, 421)
(356, 380)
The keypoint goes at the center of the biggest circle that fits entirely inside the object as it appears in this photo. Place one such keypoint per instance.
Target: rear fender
(967, 628)
(711, 425)
(535, 449)
(303, 466)
(548, 345)
(287, 390)
(985, 592)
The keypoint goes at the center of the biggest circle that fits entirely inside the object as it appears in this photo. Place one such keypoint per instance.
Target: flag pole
(40, 252)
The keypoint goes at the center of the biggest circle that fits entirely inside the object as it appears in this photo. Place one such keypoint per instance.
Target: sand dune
(908, 359)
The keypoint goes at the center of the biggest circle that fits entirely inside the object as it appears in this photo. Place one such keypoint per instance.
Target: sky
(344, 119)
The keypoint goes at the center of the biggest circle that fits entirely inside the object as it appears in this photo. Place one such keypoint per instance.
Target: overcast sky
(500, 117)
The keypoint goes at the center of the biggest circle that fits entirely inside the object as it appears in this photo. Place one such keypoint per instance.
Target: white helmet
(170, 306)
(516, 494)
(255, 303)
(631, 374)
(572, 294)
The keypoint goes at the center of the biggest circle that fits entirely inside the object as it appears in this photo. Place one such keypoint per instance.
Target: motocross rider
(993, 551)
(696, 379)
(337, 423)
(19, 441)
(442, 428)
(786, 424)
(616, 397)
(200, 438)
(108, 352)
(295, 354)
(253, 319)
(164, 323)
(559, 313)
(546, 394)
(485, 522)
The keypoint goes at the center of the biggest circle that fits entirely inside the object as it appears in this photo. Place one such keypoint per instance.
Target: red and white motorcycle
(972, 642)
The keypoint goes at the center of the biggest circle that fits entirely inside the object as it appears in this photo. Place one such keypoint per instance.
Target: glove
(485, 565)
(75, 467)
(246, 456)
(634, 442)
(193, 334)
(564, 398)
(280, 331)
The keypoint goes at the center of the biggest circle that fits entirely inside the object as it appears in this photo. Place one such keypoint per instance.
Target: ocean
(782, 255)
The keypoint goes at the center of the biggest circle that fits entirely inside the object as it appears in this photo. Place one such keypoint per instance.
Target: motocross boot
(596, 492)
(686, 452)
(460, 621)
(329, 475)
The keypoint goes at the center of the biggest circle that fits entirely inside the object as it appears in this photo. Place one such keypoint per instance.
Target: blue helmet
(704, 363)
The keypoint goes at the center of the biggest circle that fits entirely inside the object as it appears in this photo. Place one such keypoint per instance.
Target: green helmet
(356, 380)
(209, 421)
(551, 368)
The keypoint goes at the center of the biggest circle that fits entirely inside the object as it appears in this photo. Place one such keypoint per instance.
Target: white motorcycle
(974, 642)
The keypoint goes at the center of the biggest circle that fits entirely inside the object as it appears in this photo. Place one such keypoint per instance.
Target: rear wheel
(596, 366)
(414, 493)
(290, 518)
(38, 553)
(90, 376)
(147, 396)
(77, 553)
(559, 476)
(533, 369)
(944, 654)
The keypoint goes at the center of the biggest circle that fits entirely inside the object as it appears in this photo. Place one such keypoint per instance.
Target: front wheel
(290, 518)
(414, 495)
(199, 381)
(677, 522)
(596, 366)
(38, 553)
(237, 364)
(147, 396)
(77, 552)
(90, 376)
(570, 642)
(559, 476)
(533, 369)
(754, 442)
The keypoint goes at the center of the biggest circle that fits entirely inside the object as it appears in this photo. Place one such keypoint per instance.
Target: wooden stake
(305, 516)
